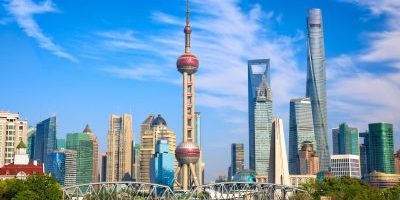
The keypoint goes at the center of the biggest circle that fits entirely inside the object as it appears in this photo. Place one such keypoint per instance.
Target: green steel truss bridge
(149, 191)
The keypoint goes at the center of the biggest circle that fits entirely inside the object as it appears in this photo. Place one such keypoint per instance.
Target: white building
(278, 165)
(345, 165)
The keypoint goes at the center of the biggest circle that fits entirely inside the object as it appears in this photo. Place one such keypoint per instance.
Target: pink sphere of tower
(187, 63)
(187, 153)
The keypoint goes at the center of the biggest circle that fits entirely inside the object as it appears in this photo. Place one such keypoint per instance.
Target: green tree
(27, 194)
(46, 187)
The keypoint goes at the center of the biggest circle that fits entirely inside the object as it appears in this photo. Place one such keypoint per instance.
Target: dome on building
(21, 145)
(159, 121)
(246, 175)
(187, 63)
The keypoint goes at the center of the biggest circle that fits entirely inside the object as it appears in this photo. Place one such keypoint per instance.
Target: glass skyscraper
(301, 129)
(162, 165)
(316, 84)
(346, 139)
(381, 148)
(237, 159)
(260, 115)
(364, 153)
(45, 139)
(81, 143)
(62, 166)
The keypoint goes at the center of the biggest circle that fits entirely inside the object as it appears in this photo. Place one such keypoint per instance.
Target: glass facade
(316, 84)
(381, 148)
(56, 166)
(348, 140)
(31, 141)
(81, 143)
(245, 176)
(260, 115)
(162, 165)
(237, 158)
(45, 139)
(301, 129)
(61, 144)
(364, 154)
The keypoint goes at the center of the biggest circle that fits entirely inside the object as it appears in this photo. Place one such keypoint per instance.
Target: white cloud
(23, 11)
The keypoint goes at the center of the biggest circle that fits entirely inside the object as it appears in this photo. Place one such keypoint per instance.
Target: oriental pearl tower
(187, 153)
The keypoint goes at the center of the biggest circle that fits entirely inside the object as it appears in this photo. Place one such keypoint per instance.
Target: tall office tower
(136, 162)
(278, 165)
(364, 154)
(188, 153)
(308, 160)
(45, 139)
(162, 165)
(30, 137)
(61, 144)
(12, 131)
(62, 166)
(397, 162)
(381, 148)
(153, 129)
(119, 148)
(237, 158)
(260, 115)
(81, 143)
(301, 129)
(93, 138)
(335, 141)
(197, 141)
(103, 167)
(347, 140)
(345, 165)
(316, 84)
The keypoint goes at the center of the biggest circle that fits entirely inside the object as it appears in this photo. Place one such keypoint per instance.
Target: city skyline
(64, 77)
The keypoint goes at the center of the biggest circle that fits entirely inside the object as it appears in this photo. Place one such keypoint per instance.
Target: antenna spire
(188, 29)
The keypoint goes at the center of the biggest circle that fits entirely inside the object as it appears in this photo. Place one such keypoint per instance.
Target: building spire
(188, 29)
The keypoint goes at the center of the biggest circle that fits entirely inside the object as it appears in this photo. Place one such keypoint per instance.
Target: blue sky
(84, 60)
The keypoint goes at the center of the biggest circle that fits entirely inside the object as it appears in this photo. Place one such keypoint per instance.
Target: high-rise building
(61, 144)
(62, 166)
(12, 131)
(316, 84)
(81, 143)
(45, 139)
(153, 129)
(237, 158)
(308, 160)
(31, 141)
(197, 141)
(260, 115)
(301, 129)
(381, 148)
(188, 153)
(364, 154)
(119, 148)
(95, 156)
(345, 165)
(397, 162)
(278, 165)
(162, 165)
(103, 167)
(135, 162)
(346, 139)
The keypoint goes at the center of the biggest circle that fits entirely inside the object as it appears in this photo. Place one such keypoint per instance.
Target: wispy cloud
(23, 11)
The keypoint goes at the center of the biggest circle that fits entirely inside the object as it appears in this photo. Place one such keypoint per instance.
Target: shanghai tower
(316, 84)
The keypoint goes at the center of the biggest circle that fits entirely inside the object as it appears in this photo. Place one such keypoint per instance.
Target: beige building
(119, 148)
(397, 162)
(380, 180)
(297, 180)
(278, 163)
(12, 131)
(308, 159)
(93, 138)
(152, 129)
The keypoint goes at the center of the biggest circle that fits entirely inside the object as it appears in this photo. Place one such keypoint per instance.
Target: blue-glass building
(260, 115)
(45, 140)
(316, 85)
(345, 140)
(56, 166)
(162, 165)
(364, 153)
(301, 129)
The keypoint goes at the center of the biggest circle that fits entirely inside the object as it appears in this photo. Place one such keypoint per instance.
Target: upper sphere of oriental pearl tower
(187, 152)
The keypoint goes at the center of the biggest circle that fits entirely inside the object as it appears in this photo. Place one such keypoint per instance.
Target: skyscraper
(364, 151)
(81, 143)
(381, 148)
(31, 141)
(45, 139)
(237, 158)
(316, 84)
(187, 153)
(260, 115)
(346, 139)
(62, 166)
(103, 167)
(61, 144)
(278, 165)
(153, 129)
(136, 162)
(197, 140)
(308, 159)
(119, 148)
(345, 165)
(162, 165)
(335, 141)
(95, 155)
(12, 131)
(301, 129)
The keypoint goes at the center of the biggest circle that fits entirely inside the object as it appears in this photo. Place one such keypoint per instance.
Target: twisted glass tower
(316, 84)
